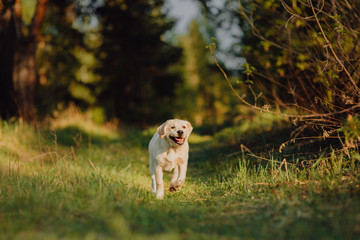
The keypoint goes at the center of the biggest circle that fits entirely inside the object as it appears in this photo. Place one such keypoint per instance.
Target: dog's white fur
(169, 150)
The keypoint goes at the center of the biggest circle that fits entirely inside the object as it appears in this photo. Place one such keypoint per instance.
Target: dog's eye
(173, 127)
(183, 127)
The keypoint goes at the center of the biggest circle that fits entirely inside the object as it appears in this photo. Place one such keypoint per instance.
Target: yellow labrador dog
(169, 150)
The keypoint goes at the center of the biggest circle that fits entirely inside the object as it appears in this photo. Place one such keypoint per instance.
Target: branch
(19, 25)
(212, 48)
(328, 44)
(255, 30)
(38, 18)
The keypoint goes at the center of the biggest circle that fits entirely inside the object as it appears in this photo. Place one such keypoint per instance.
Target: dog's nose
(180, 132)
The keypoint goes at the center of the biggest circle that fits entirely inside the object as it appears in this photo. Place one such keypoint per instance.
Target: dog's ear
(188, 124)
(162, 129)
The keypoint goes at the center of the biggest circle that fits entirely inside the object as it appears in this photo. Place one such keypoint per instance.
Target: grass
(77, 180)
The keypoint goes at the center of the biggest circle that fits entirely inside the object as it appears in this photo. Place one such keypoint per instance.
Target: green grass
(83, 181)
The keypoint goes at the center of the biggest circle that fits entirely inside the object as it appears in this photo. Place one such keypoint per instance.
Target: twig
(328, 45)
(92, 165)
(286, 169)
(270, 160)
(254, 29)
(212, 52)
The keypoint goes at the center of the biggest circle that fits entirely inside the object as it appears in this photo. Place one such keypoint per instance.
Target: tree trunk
(7, 50)
(21, 60)
(24, 76)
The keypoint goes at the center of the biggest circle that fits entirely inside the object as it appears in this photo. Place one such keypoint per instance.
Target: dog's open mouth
(178, 140)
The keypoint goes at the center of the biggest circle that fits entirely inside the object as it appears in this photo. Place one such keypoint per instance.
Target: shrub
(303, 55)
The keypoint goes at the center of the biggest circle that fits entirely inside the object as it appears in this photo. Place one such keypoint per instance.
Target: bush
(303, 55)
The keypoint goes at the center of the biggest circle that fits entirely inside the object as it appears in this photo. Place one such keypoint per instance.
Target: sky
(184, 11)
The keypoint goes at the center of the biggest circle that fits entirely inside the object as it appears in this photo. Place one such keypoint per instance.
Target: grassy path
(88, 182)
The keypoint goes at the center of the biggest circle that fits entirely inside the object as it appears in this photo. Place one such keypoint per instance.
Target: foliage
(305, 56)
(200, 99)
(28, 10)
(351, 131)
(39, 50)
(58, 60)
(122, 40)
(135, 61)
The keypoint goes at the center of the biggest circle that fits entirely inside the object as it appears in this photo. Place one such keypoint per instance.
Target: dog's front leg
(152, 175)
(182, 175)
(174, 179)
(159, 182)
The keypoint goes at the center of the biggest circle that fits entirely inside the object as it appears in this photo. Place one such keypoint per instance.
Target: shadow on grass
(257, 146)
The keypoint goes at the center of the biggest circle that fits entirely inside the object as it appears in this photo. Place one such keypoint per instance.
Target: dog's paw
(159, 196)
(180, 182)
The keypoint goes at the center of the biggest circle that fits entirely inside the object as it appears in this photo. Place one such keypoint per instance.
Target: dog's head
(175, 131)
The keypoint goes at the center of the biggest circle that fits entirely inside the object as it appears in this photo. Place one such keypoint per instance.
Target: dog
(169, 150)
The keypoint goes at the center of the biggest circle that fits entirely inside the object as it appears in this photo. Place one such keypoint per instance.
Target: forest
(271, 88)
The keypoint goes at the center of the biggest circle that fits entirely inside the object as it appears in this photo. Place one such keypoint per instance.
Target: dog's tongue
(179, 140)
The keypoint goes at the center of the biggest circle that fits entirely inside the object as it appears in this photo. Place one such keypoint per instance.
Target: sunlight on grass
(256, 126)
(198, 139)
(54, 184)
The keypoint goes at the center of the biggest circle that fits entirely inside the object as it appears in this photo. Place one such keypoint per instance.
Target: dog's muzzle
(178, 140)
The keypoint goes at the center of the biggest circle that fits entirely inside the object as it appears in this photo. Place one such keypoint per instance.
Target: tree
(201, 97)
(63, 75)
(7, 49)
(19, 47)
(137, 85)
